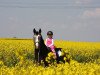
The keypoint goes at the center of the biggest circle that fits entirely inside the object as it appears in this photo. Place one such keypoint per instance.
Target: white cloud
(83, 1)
(91, 13)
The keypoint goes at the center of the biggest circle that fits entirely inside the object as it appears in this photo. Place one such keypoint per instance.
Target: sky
(73, 20)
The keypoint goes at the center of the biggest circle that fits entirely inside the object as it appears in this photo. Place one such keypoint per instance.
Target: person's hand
(53, 51)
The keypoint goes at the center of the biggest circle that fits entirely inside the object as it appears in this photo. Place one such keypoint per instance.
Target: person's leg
(53, 50)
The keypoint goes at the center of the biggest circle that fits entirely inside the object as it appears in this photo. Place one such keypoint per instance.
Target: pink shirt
(49, 42)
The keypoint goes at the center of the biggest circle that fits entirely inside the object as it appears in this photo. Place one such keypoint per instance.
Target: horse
(41, 50)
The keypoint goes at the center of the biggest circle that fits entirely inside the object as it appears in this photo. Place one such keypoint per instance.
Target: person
(50, 42)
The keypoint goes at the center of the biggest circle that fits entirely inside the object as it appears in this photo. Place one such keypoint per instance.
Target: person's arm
(52, 43)
(46, 42)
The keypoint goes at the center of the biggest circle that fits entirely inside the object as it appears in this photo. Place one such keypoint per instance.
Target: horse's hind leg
(46, 64)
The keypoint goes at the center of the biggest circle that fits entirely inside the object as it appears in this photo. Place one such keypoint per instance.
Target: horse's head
(37, 37)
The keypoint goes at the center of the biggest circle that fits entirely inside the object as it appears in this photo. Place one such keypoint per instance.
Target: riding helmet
(49, 33)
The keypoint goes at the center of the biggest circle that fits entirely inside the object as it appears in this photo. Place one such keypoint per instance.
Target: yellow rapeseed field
(17, 56)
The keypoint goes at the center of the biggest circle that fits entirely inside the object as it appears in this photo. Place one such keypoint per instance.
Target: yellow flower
(20, 53)
(65, 58)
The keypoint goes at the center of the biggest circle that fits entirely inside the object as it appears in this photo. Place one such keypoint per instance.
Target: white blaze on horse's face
(37, 40)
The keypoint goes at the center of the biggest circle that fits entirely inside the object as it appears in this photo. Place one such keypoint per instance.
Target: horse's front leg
(40, 57)
(36, 56)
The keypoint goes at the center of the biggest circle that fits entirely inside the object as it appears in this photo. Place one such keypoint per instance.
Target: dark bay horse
(41, 51)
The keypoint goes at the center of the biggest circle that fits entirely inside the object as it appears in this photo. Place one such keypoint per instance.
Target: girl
(50, 42)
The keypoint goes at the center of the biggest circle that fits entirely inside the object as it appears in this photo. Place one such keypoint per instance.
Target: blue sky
(75, 20)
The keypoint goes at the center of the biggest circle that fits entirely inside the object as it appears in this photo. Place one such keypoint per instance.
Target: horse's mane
(42, 41)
